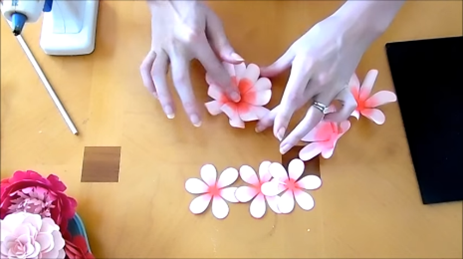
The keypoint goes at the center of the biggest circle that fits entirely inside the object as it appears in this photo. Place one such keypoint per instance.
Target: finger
(348, 106)
(215, 69)
(280, 65)
(268, 120)
(145, 71)
(310, 120)
(182, 82)
(293, 95)
(158, 75)
(218, 39)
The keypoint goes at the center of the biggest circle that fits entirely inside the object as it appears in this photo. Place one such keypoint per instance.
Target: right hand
(183, 31)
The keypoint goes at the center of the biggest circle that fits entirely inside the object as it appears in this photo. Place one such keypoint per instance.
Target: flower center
(292, 185)
(214, 191)
(34, 200)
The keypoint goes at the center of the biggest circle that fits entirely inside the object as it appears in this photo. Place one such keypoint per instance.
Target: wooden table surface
(369, 205)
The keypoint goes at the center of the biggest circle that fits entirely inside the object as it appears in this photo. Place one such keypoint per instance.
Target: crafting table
(131, 195)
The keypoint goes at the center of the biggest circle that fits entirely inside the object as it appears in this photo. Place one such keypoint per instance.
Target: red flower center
(214, 191)
(292, 185)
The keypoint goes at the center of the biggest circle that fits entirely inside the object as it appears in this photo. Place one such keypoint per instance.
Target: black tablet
(428, 80)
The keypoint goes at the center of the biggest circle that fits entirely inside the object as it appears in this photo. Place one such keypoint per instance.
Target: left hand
(322, 62)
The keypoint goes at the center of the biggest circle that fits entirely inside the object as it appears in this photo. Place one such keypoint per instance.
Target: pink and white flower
(323, 138)
(255, 93)
(291, 186)
(29, 236)
(254, 190)
(366, 105)
(212, 189)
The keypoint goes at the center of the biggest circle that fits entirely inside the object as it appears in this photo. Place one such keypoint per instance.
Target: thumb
(218, 40)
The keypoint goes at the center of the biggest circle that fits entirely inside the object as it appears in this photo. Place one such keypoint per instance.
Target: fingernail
(169, 112)
(236, 97)
(195, 120)
(237, 57)
(259, 128)
(281, 133)
(285, 148)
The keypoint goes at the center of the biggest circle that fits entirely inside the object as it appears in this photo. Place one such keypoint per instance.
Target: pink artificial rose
(30, 192)
(29, 236)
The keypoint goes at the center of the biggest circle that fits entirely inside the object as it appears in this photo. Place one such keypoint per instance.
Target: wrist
(367, 19)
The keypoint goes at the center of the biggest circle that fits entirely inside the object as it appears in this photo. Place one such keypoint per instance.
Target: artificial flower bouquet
(38, 220)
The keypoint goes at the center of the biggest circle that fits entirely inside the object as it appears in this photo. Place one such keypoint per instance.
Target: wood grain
(101, 164)
(369, 205)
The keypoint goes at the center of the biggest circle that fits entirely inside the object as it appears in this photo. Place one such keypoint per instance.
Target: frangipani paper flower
(255, 93)
(367, 105)
(254, 190)
(292, 186)
(323, 138)
(26, 235)
(212, 189)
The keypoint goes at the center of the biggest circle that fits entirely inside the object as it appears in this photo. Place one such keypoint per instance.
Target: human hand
(182, 31)
(322, 62)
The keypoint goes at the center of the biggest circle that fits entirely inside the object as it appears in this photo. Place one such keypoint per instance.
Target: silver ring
(320, 106)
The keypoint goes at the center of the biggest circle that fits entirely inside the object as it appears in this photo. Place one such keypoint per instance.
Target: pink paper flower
(254, 190)
(255, 93)
(367, 105)
(323, 139)
(26, 236)
(212, 189)
(292, 186)
(35, 200)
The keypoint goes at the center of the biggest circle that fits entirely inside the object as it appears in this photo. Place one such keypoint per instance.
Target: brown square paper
(101, 164)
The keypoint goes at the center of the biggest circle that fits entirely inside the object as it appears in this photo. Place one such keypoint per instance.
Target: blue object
(76, 227)
(48, 5)
(18, 21)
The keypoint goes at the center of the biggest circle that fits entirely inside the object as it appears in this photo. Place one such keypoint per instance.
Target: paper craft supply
(293, 189)
(323, 138)
(253, 191)
(45, 82)
(210, 188)
(255, 93)
(101, 164)
(367, 105)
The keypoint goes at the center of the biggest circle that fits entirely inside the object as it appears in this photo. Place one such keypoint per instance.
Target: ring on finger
(320, 106)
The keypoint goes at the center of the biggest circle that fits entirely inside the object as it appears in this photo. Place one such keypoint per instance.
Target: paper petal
(248, 115)
(272, 188)
(229, 194)
(262, 83)
(228, 177)
(374, 115)
(380, 98)
(252, 73)
(261, 98)
(355, 114)
(264, 173)
(209, 79)
(215, 92)
(195, 186)
(239, 70)
(220, 208)
(354, 85)
(245, 193)
(310, 182)
(296, 168)
(328, 152)
(368, 83)
(209, 174)
(304, 200)
(199, 204)
(213, 107)
(278, 172)
(272, 202)
(258, 207)
(235, 120)
(286, 202)
(261, 112)
(248, 175)
(310, 151)
(344, 126)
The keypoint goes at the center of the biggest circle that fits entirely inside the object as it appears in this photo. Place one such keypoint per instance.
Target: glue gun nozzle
(18, 21)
